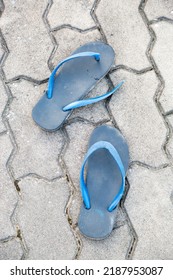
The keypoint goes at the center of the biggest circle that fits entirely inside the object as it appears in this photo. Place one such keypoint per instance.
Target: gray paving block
(11, 250)
(75, 40)
(113, 248)
(27, 39)
(3, 101)
(125, 31)
(38, 150)
(75, 13)
(162, 53)
(138, 118)
(41, 218)
(8, 196)
(151, 211)
(96, 112)
(159, 8)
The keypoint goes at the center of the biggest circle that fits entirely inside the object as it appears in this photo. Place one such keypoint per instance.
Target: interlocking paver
(27, 39)
(42, 220)
(159, 8)
(8, 197)
(75, 40)
(138, 118)
(162, 53)
(122, 24)
(11, 250)
(113, 248)
(75, 13)
(3, 100)
(96, 112)
(37, 150)
(150, 209)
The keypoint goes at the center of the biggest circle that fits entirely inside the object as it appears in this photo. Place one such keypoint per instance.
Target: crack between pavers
(168, 113)
(37, 176)
(2, 7)
(52, 37)
(3, 132)
(5, 49)
(83, 120)
(131, 70)
(26, 78)
(160, 19)
(94, 17)
(134, 236)
(147, 166)
(69, 26)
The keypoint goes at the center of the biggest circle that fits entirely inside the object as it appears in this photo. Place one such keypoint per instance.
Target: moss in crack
(19, 234)
(16, 183)
(67, 177)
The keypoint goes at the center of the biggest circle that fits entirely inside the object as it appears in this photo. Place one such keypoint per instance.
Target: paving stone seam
(69, 26)
(159, 19)
(19, 78)
(161, 84)
(80, 119)
(134, 236)
(131, 70)
(147, 166)
(52, 37)
(1, 7)
(94, 16)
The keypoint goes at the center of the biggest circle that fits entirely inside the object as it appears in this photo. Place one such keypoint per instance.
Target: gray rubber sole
(75, 79)
(103, 181)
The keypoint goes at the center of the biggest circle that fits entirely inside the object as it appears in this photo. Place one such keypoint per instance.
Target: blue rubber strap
(116, 156)
(78, 55)
(81, 103)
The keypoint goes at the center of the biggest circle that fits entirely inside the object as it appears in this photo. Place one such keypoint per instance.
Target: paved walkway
(39, 171)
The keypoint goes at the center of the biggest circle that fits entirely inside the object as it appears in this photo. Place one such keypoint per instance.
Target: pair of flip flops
(108, 156)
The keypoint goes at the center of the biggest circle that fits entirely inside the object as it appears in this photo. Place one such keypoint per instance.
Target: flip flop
(108, 159)
(85, 67)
